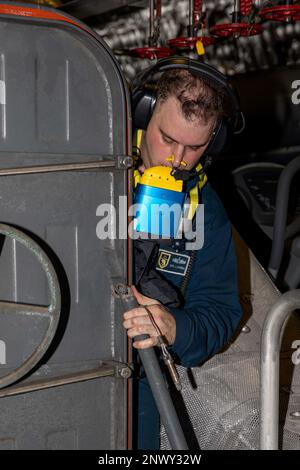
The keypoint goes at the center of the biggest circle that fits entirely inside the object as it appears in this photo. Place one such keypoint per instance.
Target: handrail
(272, 333)
(282, 200)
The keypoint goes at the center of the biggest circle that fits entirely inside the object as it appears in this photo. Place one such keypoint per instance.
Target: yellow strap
(137, 143)
(194, 201)
(136, 177)
(138, 138)
(194, 193)
(202, 177)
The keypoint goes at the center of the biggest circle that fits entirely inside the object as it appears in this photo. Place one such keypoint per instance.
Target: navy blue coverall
(211, 311)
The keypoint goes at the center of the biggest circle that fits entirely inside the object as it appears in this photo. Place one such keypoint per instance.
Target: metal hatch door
(64, 133)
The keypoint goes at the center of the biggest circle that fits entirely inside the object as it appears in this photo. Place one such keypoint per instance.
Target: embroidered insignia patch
(172, 262)
(163, 259)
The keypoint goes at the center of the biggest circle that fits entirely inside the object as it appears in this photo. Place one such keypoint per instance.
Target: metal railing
(272, 333)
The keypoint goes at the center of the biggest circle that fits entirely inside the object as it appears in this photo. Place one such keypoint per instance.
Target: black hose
(159, 389)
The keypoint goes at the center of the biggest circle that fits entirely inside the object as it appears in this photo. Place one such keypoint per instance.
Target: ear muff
(143, 103)
(221, 139)
(144, 98)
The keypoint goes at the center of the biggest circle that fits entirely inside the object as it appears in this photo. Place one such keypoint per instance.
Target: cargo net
(220, 406)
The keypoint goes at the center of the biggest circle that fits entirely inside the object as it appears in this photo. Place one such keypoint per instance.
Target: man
(187, 113)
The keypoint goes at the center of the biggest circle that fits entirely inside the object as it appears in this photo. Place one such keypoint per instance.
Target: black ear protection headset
(144, 99)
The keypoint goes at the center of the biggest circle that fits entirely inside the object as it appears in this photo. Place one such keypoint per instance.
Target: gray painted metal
(104, 370)
(63, 101)
(123, 162)
(52, 312)
(269, 362)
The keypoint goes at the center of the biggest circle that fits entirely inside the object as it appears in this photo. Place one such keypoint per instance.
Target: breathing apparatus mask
(163, 204)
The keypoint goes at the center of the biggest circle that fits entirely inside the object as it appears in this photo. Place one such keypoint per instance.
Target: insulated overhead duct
(87, 8)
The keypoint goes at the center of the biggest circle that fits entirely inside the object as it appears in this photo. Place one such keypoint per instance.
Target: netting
(223, 404)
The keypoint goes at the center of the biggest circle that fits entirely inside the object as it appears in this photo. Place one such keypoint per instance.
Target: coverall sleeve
(211, 311)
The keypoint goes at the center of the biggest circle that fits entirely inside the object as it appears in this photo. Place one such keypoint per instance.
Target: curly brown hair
(200, 100)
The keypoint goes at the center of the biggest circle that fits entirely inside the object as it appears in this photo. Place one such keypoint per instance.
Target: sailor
(191, 294)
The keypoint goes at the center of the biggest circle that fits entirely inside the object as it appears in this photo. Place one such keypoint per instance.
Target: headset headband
(206, 71)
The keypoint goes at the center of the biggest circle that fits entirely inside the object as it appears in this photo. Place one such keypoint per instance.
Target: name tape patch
(172, 262)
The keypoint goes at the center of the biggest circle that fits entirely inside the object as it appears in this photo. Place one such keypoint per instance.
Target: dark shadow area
(2, 240)
(255, 238)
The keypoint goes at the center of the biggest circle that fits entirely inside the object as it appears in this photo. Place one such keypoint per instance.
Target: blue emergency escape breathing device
(160, 199)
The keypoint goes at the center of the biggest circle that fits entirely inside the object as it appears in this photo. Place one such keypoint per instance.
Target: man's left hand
(137, 322)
